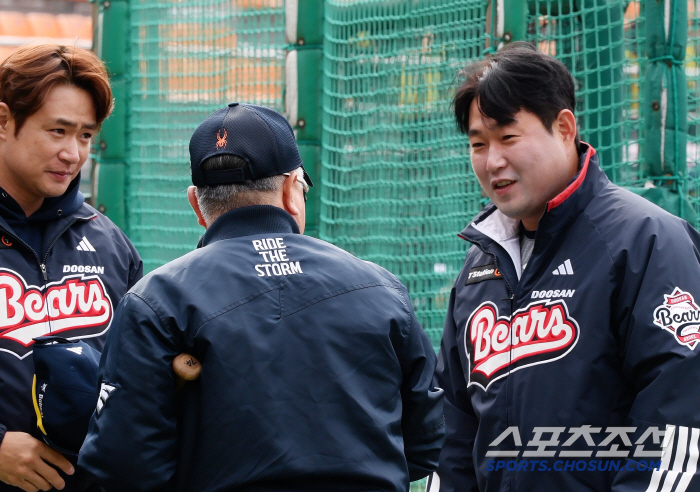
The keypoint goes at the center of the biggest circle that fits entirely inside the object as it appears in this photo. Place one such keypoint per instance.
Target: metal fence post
(665, 89)
(604, 89)
(111, 45)
(514, 19)
(303, 92)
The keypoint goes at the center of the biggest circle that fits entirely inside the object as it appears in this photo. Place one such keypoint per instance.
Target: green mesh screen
(602, 42)
(396, 187)
(188, 59)
(396, 184)
(603, 49)
(692, 72)
(395, 180)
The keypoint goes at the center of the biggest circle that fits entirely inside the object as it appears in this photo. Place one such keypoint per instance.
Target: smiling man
(53, 100)
(569, 357)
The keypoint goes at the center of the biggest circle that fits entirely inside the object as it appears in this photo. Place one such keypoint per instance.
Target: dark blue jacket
(62, 271)
(601, 330)
(316, 374)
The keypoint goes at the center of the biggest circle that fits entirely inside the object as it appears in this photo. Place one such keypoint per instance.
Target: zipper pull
(43, 271)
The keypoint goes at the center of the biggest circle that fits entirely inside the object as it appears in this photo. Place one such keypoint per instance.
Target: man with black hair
(316, 375)
(569, 357)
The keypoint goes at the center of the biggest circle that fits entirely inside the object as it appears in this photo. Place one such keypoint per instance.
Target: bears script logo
(540, 333)
(681, 316)
(76, 307)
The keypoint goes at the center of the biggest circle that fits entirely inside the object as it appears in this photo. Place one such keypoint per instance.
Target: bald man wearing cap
(316, 375)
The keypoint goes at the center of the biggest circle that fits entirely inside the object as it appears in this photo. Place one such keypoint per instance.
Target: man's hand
(24, 463)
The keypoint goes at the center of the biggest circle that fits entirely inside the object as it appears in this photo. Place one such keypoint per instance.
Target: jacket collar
(54, 215)
(491, 226)
(567, 205)
(249, 221)
(51, 209)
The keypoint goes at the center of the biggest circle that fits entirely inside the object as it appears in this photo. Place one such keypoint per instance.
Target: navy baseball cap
(65, 391)
(258, 135)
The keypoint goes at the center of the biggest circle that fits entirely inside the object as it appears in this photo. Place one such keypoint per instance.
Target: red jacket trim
(559, 199)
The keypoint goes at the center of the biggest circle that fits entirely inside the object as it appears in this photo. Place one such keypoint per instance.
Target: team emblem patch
(78, 306)
(540, 333)
(681, 316)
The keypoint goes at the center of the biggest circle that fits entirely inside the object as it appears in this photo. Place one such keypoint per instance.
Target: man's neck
(529, 224)
(525, 231)
(29, 206)
(10, 185)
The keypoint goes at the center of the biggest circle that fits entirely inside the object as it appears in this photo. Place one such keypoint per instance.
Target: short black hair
(223, 162)
(517, 77)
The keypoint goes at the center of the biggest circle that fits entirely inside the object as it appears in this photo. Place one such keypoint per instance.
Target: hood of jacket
(32, 229)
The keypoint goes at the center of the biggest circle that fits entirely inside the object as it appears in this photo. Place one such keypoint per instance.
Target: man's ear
(194, 203)
(566, 125)
(5, 119)
(289, 198)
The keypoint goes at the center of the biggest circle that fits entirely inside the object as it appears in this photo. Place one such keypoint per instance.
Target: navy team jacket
(67, 282)
(316, 374)
(584, 371)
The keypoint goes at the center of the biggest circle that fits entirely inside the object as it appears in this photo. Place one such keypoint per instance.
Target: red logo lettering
(540, 333)
(77, 305)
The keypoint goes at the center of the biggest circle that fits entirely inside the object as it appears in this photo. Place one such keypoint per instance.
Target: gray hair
(215, 201)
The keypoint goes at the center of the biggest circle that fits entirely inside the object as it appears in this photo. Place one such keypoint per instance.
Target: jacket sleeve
(658, 319)
(422, 422)
(131, 442)
(136, 271)
(455, 471)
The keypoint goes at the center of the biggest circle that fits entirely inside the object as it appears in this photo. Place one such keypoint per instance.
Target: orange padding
(44, 25)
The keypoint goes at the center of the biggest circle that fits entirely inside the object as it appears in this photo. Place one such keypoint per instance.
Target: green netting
(631, 96)
(395, 173)
(603, 53)
(692, 72)
(396, 187)
(186, 60)
(396, 184)
(395, 180)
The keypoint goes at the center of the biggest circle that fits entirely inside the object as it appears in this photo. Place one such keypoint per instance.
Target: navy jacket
(316, 374)
(62, 271)
(601, 330)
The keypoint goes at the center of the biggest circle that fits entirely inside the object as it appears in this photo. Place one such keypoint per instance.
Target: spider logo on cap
(221, 140)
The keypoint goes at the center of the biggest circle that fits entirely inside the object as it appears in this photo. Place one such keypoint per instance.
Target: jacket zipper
(42, 264)
(495, 262)
(48, 250)
(5, 231)
(508, 380)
